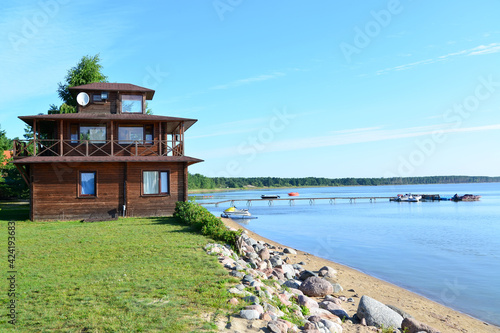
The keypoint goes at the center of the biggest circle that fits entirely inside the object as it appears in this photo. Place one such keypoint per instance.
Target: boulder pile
(292, 299)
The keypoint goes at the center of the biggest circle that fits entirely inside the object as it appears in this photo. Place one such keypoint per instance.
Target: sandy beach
(357, 284)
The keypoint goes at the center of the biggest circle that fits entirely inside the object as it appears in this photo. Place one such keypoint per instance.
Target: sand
(421, 308)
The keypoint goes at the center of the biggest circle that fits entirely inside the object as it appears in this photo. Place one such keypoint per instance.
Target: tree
(88, 70)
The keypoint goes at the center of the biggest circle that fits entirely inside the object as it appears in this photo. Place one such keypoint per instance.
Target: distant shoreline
(231, 189)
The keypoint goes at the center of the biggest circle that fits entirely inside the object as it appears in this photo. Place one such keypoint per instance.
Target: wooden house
(109, 159)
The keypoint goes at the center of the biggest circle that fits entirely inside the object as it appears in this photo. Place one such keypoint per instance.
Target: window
(130, 134)
(96, 98)
(74, 133)
(87, 184)
(155, 182)
(132, 103)
(94, 133)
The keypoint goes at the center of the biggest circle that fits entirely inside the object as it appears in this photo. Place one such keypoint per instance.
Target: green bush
(209, 225)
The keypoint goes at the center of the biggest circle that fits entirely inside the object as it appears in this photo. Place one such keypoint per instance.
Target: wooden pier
(291, 201)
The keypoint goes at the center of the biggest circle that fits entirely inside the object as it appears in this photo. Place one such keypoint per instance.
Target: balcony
(87, 148)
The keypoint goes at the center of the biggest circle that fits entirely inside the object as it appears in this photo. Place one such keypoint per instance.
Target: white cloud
(478, 50)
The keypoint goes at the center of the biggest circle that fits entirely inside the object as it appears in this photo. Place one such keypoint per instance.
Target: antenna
(82, 99)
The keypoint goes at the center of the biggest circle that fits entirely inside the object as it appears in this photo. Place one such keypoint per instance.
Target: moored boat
(466, 197)
(233, 212)
(270, 196)
(293, 194)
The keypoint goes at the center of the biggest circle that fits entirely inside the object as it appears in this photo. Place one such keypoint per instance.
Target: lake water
(446, 251)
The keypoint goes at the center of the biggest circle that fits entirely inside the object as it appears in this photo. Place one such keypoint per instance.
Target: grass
(130, 275)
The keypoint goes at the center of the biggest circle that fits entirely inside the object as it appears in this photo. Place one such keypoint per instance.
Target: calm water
(446, 251)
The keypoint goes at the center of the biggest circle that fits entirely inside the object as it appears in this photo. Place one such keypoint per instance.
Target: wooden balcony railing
(49, 147)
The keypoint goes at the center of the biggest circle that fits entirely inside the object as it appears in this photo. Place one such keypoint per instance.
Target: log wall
(55, 191)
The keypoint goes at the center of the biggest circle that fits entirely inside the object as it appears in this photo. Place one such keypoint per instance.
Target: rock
(258, 247)
(331, 326)
(290, 251)
(251, 299)
(247, 279)
(297, 267)
(276, 261)
(256, 307)
(237, 274)
(334, 308)
(401, 312)
(233, 301)
(249, 314)
(337, 288)
(304, 275)
(295, 284)
(235, 291)
(276, 326)
(325, 314)
(316, 287)
(413, 326)
(307, 302)
(296, 291)
(327, 271)
(267, 316)
(377, 314)
(264, 254)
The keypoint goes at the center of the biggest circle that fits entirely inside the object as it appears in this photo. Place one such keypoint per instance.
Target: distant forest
(198, 181)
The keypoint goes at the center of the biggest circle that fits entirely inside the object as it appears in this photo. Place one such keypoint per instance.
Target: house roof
(135, 117)
(102, 159)
(106, 86)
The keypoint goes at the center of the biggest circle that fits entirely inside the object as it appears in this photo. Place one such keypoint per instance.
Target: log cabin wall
(56, 189)
(141, 205)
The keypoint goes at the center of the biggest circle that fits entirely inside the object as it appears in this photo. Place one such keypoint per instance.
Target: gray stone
(304, 275)
(295, 284)
(401, 312)
(247, 279)
(377, 314)
(258, 247)
(316, 287)
(289, 250)
(414, 326)
(331, 326)
(276, 261)
(250, 314)
(251, 299)
(327, 271)
(237, 274)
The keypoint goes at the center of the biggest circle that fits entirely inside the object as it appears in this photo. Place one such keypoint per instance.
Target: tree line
(198, 181)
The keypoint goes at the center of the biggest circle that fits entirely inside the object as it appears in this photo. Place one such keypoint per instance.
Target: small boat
(233, 212)
(293, 194)
(466, 197)
(407, 198)
(270, 196)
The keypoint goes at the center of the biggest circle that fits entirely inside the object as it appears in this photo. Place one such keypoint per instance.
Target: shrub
(209, 225)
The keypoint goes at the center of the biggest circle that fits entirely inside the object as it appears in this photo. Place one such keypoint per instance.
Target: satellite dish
(82, 99)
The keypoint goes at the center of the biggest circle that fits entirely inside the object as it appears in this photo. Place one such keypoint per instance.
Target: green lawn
(130, 275)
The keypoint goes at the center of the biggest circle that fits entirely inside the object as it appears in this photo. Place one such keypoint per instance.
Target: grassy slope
(130, 275)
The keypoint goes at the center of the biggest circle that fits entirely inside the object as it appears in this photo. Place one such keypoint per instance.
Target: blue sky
(287, 89)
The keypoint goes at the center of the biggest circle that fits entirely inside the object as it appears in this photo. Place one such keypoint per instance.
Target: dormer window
(131, 104)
